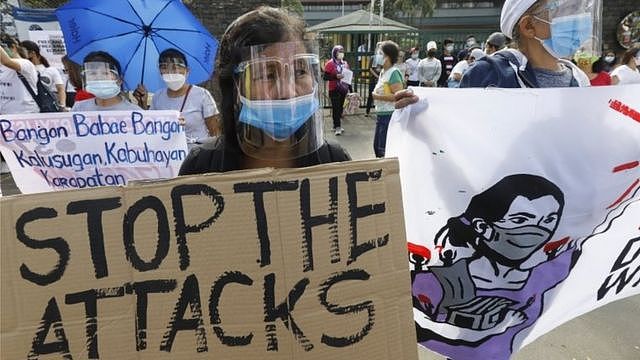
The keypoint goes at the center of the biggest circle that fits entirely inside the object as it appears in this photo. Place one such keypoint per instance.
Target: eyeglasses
(266, 77)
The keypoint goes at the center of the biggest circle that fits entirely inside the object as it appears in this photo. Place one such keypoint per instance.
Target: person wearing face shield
(545, 32)
(101, 77)
(196, 105)
(268, 76)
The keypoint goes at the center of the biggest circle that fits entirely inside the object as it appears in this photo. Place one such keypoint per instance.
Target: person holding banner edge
(195, 104)
(101, 77)
(268, 76)
(545, 31)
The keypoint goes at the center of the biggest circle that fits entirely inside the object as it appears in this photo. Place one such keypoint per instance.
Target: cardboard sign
(522, 211)
(266, 264)
(59, 151)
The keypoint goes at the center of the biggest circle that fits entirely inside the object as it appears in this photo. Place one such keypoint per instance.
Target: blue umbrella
(135, 32)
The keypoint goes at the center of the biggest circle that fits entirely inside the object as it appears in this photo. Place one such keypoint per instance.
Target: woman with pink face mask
(338, 89)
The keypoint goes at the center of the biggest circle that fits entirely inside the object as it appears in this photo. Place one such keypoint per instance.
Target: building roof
(361, 21)
(333, 2)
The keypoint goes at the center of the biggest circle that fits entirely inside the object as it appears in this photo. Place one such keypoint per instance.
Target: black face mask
(431, 53)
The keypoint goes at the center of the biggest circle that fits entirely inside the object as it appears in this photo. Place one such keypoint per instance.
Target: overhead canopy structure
(361, 21)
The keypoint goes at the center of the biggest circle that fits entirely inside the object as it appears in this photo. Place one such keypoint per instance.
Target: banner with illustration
(61, 151)
(522, 210)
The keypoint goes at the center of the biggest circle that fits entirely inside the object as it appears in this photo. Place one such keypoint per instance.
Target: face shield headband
(278, 114)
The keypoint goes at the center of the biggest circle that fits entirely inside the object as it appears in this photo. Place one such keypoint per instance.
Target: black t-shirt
(447, 62)
(216, 157)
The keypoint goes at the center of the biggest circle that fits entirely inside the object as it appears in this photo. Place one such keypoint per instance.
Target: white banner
(59, 151)
(522, 209)
(51, 43)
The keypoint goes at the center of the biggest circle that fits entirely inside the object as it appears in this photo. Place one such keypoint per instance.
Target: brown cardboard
(360, 319)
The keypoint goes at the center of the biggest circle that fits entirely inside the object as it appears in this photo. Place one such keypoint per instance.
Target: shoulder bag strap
(184, 101)
(26, 84)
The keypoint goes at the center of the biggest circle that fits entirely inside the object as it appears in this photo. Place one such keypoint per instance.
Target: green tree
(403, 9)
(51, 4)
(294, 6)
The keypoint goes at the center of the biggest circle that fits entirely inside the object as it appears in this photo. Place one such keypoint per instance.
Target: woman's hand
(404, 98)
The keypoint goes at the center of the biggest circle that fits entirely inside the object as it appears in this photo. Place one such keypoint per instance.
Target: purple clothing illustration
(429, 294)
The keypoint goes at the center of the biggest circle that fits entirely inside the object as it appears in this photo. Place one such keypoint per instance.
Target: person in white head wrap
(545, 32)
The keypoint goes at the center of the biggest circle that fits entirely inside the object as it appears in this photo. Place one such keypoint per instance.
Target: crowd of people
(523, 54)
(270, 78)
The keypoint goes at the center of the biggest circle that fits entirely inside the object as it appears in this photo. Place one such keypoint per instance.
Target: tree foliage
(294, 6)
(51, 4)
(396, 9)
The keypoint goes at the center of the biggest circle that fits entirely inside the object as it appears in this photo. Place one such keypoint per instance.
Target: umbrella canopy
(358, 22)
(135, 32)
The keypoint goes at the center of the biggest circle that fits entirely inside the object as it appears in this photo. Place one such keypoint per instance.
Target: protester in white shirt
(195, 104)
(49, 76)
(628, 72)
(461, 67)
(430, 68)
(101, 77)
(412, 67)
(14, 96)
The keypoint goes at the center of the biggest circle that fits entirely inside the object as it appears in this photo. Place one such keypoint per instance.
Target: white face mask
(414, 56)
(609, 59)
(174, 81)
(449, 48)
(340, 56)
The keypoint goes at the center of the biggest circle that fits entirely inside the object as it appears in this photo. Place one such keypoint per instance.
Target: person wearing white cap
(545, 32)
(429, 68)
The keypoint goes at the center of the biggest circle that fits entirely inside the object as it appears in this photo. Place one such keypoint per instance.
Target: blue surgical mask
(279, 118)
(103, 89)
(568, 33)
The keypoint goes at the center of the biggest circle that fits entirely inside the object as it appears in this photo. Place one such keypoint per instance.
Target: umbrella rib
(160, 12)
(124, 71)
(182, 50)
(135, 12)
(184, 30)
(113, 17)
(144, 60)
(104, 38)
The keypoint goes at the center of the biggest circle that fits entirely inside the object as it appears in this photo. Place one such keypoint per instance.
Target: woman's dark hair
(492, 204)
(263, 25)
(629, 54)
(32, 46)
(172, 54)
(104, 57)
(598, 66)
(390, 49)
(73, 71)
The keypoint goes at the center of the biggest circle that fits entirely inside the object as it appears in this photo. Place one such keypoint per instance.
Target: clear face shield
(574, 25)
(101, 79)
(278, 111)
(172, 66)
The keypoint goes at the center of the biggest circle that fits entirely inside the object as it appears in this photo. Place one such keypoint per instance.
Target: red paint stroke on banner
(624, 109)
(624, 194)
(419, 250)
(626, 166)
(555, 245)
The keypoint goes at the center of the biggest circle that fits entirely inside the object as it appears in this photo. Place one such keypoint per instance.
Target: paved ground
(609, 333)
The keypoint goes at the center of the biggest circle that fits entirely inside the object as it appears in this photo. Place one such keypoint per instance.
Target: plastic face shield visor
(172, 66)
(573, 24)
(278, 113)
(97, 70)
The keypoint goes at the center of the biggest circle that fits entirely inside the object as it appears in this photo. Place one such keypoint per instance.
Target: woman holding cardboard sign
(271, 116)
